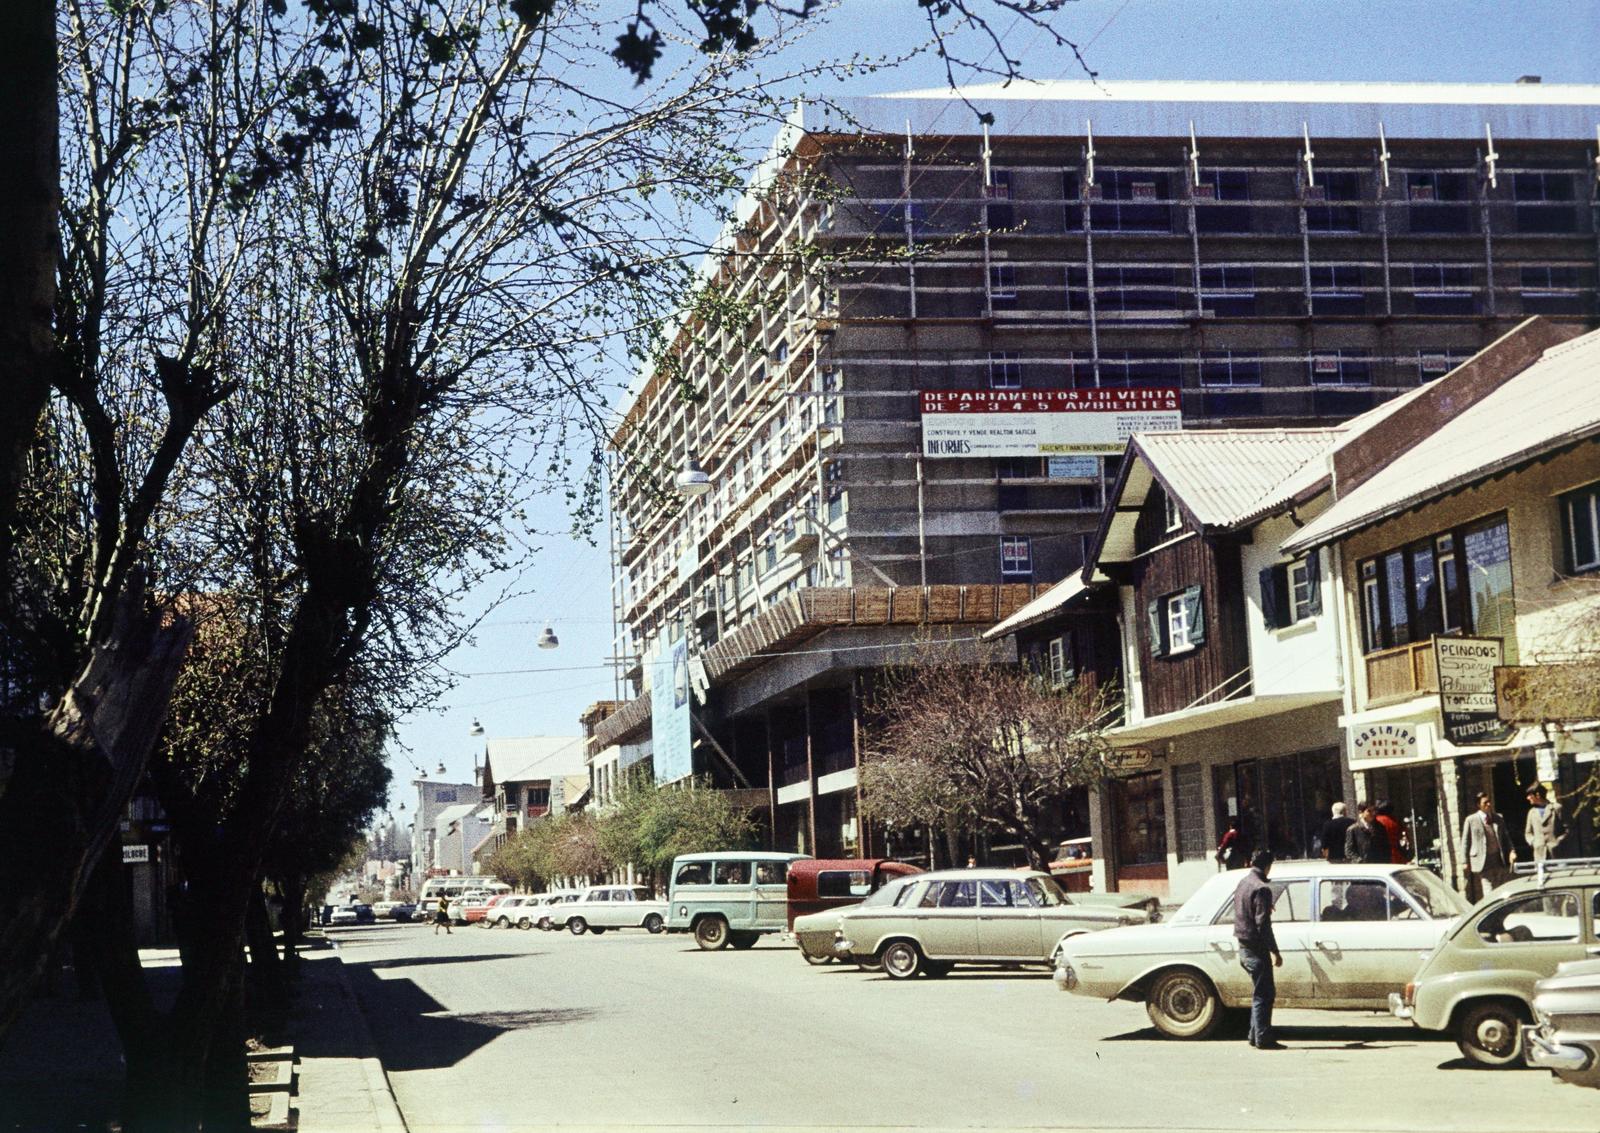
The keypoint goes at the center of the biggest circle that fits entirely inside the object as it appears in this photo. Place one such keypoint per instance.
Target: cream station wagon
(970, 916)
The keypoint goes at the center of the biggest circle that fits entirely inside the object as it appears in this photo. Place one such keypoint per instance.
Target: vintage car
(1478, 983)
(816, 932)
(600, 907)
(547, 914)
(1349, 934)
(817, 887)
(970, 916)
(729, 897)
(509, 910)
(1565, 1035)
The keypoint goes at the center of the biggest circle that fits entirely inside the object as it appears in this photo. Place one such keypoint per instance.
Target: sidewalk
(340, 1084)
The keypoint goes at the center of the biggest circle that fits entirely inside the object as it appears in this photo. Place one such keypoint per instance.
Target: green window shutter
(1195, 614)
(1158, 628)
(1272, 604)
(1314, 583)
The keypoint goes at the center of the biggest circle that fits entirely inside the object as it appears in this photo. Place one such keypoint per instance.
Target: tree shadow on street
(424, 961)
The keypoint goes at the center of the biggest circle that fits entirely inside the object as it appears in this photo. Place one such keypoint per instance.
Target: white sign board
(135, 853)
(1073, 468)
(1043, 422)
(1466, 689)
(1383, 741)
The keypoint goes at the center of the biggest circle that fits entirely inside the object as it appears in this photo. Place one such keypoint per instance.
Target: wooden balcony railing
(1401, 672)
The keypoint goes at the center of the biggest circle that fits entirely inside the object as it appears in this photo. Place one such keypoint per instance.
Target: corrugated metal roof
(1040, 608)
(519, 759)
(1224, 477)
(1552, 403)
(1159, 109)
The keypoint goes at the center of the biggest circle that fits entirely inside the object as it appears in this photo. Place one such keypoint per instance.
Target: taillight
(1411, 995)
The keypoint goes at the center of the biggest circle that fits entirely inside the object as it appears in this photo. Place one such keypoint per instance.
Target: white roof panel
(1553, 402)
(1041, 607)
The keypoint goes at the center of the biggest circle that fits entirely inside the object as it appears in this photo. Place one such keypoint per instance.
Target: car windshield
(1426, 888)
(887, 895)
(1048, 892)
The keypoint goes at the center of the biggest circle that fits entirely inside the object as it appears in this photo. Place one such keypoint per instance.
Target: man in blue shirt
(1258, 947)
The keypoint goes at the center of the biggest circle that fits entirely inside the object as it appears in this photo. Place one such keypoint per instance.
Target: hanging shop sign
(1388, 742)
(1466, 668)
(1129, 759)
(1537, 694)
(1043, 422)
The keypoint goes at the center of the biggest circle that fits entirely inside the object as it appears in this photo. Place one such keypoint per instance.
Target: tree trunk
(70, 788)
(30, 200)
(269, 985)
(293, 891)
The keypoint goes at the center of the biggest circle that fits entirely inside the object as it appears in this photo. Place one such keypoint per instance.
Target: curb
(390, 1120)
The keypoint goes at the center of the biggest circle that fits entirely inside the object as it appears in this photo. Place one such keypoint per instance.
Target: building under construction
(1265, 253)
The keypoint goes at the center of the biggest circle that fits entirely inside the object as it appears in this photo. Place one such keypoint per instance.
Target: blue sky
(1126, 39)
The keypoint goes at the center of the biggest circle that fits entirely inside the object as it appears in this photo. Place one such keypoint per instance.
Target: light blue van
(729, 897)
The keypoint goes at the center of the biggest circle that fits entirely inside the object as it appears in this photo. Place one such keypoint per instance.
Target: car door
(946, 920)
(1291, 925)
(1368, 940)
(736, 893)
(618, 909)
(1009, 920)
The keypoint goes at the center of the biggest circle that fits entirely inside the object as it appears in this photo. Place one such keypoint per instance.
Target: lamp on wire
(693, 481)
(476, 729)
(548, 639)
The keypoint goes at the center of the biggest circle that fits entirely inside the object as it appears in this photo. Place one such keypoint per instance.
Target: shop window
(1334, 202)
(1580, 528)
(1140, 820)
(1177, 623)
(1221, 201)
(1291, 592)
(1281, 802)
(1016, 557)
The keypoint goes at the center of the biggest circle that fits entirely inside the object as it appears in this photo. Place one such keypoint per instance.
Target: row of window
(1223, 369)
(1138, 200)
(1334, 289)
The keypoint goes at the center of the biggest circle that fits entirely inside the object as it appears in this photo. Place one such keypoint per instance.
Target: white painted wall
(1304, 657)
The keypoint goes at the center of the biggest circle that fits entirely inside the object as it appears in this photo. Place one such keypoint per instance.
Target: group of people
(1374, 835)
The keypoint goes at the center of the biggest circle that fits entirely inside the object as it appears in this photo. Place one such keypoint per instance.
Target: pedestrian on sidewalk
(441, 919)
(1333, 832)
(1393, 832)
(1486, 845)
(1547, 827)
(1366, 841)
(1252, 928)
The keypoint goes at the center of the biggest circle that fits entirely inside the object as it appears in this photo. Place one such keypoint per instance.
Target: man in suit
(1366, 841)
(1547, 826)
(1487, 846)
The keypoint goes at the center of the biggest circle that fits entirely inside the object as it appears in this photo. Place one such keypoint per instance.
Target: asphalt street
(509, 1030)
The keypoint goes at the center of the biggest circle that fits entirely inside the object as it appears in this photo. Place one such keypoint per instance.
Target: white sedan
(612, 906)
(1349, 935)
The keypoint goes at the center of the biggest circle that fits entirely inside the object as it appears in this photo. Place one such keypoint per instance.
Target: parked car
(403, 912)
(818, 886)
(729, 897)
(1478, 983)
(817, 934)
(970, 916)
(547, 914)
(382, 909)
(1349, 934)
(509, 909)
(1565, 1035)
(470, 910)
(600, 907)
(352, 914)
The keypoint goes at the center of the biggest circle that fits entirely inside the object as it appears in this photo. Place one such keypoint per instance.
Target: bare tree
(986, 746)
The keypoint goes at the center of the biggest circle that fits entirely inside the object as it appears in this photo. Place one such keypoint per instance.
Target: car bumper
(1066, 978)
(1548, 1054)
(1399, 1008)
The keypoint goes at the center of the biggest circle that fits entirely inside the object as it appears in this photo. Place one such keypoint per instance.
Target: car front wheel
(711, 933)
(818, 961)
(902, 960)
(653, 923)
(743, 940)
(577, 926)
(1183, 1005)
(1490, 1034)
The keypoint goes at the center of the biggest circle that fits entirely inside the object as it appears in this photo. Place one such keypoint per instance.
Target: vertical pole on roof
(1594, 199)
(1304, 182)
(983, 203)
(1488, 227)
(1085, 183)
(1193, 157)
(1383, 219)
(911, 234)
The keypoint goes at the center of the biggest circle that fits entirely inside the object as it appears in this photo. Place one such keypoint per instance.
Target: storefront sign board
(1131, 759)
(1043, 422)
(136, 853)
(1538, 694)
(1388, 742)
(1466, 668)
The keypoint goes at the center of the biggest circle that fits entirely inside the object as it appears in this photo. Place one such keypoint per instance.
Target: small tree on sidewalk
(980, 745)
(647, 827)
